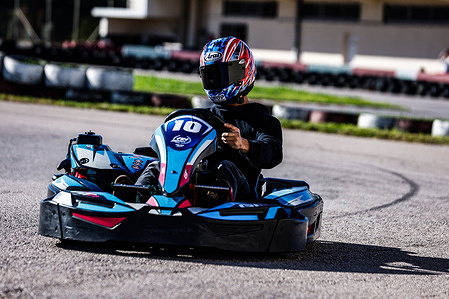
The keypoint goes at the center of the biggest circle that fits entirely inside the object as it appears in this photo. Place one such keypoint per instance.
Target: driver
(252, 137)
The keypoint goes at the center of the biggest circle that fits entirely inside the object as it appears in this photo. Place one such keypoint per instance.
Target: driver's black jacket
(263, 132)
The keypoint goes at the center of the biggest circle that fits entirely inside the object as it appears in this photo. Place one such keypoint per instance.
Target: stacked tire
(23, 70)
(22, 75)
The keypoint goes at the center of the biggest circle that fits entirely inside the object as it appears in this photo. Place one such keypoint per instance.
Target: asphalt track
(385, 227)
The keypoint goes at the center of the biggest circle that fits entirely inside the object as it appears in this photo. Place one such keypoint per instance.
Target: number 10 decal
(185, 132)
(190, 126)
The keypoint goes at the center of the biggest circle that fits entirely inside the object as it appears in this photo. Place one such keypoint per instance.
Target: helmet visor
(220, 75)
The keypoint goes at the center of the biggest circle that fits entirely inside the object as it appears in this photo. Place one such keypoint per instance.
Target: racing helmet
(227, 70)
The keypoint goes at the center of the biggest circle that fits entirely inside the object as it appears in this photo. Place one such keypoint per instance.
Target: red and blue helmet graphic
(227, 69)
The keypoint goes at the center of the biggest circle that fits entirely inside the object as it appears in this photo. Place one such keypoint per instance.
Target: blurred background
(375, 34)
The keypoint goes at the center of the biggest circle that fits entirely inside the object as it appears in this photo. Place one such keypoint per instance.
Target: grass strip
(331, 128)
(354, 130)
(279, 94)
(90, 105)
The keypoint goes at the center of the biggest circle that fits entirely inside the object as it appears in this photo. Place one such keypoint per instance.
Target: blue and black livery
(81, 206)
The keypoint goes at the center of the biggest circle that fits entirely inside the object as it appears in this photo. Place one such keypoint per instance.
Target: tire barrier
(321, 116)
(159, 58)
(362, 120)
(2, 55)
(170, 100)
(64, 76)
(427, 87)
(141, 51)
(289, 112)
(35, 77)
(23, 70)
(372, 121)
(414, 126)
(85, 95)
(21, 75)
(131, 98)
(128, 98)
(109, 79)
(201, 102)
(440, 127)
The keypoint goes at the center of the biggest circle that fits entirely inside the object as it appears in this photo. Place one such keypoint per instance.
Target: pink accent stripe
(162, 173)
(109, 222)
(152, 202)
(185, 175)
(185, 204)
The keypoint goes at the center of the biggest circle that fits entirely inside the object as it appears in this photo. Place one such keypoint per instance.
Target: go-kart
(83, 203)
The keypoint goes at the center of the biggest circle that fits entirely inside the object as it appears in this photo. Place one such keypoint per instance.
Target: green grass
(164, 85)
(354, 130)
(332, 128)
